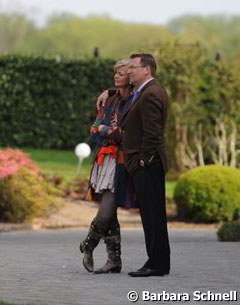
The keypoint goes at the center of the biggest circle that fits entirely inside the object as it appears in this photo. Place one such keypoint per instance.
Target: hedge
(49, 102)
(229, 231)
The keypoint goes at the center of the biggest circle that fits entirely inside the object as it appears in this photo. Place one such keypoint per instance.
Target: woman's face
(121, 77)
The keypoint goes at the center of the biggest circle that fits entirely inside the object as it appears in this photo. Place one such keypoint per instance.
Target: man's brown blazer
(143, 126)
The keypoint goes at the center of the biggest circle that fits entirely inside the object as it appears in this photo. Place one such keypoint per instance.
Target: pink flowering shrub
(24, 193)
(11, 160)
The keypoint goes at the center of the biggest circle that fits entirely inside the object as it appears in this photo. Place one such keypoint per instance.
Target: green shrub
(25, 195)
(230, 231)
(208, 194)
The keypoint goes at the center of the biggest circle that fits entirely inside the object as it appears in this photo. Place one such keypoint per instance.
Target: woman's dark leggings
(106, 217)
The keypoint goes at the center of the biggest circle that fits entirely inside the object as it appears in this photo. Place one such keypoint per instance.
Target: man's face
(137, 72)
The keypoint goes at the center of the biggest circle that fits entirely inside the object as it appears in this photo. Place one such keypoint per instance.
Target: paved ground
(44, 267)
(79, 214)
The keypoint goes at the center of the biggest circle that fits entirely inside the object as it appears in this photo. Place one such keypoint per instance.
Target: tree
(204, 106)
(14, 31)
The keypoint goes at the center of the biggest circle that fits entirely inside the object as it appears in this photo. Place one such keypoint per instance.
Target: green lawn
(64, 163)
(59, 162)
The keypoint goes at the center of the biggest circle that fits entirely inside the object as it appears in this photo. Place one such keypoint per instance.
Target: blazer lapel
(133, 104)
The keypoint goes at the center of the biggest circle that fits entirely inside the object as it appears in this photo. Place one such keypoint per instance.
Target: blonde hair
(121, 63)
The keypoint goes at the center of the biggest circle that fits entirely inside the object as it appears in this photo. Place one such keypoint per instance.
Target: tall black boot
(113, 247)
(90, 243)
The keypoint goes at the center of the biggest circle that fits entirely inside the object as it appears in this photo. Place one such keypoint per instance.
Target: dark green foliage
(209, 193)
(204, 106)
(49, 102)
(229, 231)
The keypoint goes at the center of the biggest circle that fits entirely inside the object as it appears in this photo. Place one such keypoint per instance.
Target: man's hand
(101, 100)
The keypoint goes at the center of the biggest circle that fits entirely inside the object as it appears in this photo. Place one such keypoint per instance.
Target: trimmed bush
(24, 196)
(229, 231)
(208, 194)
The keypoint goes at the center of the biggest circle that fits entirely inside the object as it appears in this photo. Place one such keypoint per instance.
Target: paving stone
(44, 267)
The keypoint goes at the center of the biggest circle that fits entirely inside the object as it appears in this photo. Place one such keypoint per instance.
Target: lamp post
(82, 151)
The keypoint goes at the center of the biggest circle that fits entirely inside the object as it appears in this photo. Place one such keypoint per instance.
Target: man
(143, 126)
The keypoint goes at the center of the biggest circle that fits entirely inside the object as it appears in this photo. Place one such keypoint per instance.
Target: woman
(109, 182)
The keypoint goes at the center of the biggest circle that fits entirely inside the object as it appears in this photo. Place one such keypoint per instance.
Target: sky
(140, 11)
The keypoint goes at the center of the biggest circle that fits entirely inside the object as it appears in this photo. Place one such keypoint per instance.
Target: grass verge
(64, 163)
(60, 162)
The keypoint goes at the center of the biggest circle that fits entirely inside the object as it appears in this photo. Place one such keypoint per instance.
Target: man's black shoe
(144, 272)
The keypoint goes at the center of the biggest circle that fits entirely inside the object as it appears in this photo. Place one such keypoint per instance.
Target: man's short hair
(146, 60)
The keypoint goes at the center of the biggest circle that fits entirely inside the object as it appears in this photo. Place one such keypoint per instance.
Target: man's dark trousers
(149, 185)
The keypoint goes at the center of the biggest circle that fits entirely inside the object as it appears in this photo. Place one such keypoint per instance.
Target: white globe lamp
(82, 151)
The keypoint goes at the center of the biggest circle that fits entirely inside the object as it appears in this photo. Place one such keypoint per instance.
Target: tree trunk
(184, 157)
